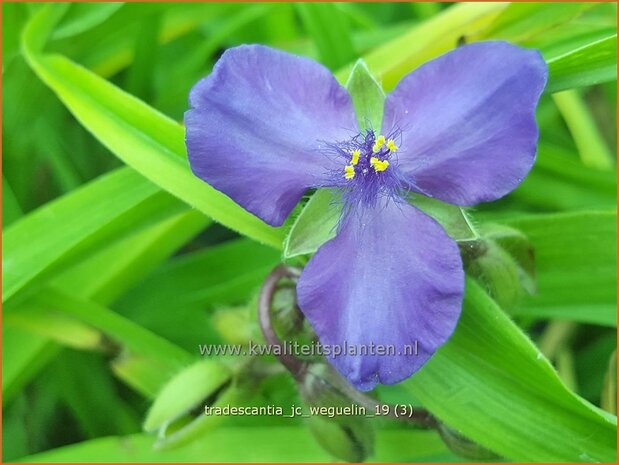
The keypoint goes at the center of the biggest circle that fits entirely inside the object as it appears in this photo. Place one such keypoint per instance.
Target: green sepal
(367, 95)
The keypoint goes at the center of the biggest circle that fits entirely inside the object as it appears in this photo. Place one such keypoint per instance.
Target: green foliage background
(117, 262)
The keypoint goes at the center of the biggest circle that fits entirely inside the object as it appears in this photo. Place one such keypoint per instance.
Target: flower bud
(345, 432)
(502, 260)
(351, 443)
(171, 414)
(233, 324)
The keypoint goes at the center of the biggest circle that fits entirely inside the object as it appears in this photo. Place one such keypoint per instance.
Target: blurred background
(111, 285)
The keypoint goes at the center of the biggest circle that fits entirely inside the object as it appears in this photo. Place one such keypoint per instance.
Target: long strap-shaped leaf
(246, 444)
(590, 64)
(143, 138)
(101, 278)
(61, 232)
(492, 384)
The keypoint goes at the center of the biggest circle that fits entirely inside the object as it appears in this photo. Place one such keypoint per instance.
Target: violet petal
(256, 123)
(392, 277)
(468, 121)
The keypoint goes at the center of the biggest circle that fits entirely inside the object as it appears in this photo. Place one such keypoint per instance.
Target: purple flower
(266, 126)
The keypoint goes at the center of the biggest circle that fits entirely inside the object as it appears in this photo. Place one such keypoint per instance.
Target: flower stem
(296, 367)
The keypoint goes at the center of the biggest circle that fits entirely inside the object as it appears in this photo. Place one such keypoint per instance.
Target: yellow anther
(349, 171)
(391, 145)
(355, 157)
(380, 141)
(379, 165)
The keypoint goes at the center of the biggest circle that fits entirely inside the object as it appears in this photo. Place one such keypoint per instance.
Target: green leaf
(97, 406)
(522, 21)
(425, 10)
(280, 23)
(139, 80)
(11, 210)
(565, 368)
(189, 281)
(575, 256)
(609, 391)
(132, 336)
(582, 65)
(187, 288)
(139, 135)
(242, 444)
(328, 28)
(591, 146)
(489, 360)
(23, 354)
(14, 16)
(367, 96)
(83, 16)
(59, 328)
(591, 360)
(62, 231)
(145, 374)
(427, 40)
(595, 24)
(587, 65)
(146, 363)
(108, 48)
(102, 277)
(197, 53)
(518, 22)
(559, 181)
(113, 270)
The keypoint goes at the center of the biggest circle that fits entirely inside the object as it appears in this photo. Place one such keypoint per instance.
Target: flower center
(369, 155)
(368, 168)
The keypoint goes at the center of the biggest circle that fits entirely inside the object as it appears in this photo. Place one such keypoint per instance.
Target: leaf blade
(591, 64)
(488, 358)
(140, 136)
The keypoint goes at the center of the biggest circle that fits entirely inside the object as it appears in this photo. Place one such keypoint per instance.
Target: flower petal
(468, 121)
(390, 277)
(255, 126)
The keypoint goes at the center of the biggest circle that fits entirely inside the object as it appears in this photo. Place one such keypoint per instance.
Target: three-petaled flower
(265, 126)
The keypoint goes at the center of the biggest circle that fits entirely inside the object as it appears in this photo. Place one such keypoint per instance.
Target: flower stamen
(391, 145)
(349, 172)
(379, 165)
(380, 141)
(355, 157)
